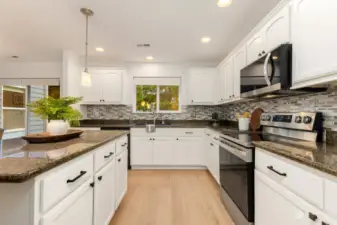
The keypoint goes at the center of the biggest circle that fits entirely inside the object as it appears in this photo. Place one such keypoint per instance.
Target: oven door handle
(265, 69)
(277, 172)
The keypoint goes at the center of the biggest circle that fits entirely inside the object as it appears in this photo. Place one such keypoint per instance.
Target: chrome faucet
(155, 117)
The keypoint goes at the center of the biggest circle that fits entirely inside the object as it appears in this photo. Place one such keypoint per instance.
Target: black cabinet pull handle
(324, 223)
(92, 184)
(100, 178)
(76, 178)
(177, 139)
(188, 132)
(263, 52)
(211, 144)
(119, 160)
(260, 54)
(312, 216)
(108, 156)
(277, 172)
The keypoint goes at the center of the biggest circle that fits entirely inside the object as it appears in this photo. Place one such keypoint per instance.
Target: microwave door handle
(265, 69)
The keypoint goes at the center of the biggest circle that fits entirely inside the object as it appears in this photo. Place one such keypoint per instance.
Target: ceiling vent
(143, 46)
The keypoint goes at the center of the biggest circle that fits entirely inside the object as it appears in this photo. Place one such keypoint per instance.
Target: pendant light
(86, 77)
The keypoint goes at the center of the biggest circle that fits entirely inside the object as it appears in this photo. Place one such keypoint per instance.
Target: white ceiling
(38, 30)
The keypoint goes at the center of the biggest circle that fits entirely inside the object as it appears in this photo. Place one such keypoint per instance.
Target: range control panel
(300, 121)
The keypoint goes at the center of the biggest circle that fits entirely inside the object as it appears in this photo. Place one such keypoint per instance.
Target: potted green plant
(58, 112)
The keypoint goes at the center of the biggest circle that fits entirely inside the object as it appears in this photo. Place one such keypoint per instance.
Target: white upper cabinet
(277, 30)
(106, 88)
(255, 47)
(274, 33)
(228, 67)
(201, 85)
(314, 38)
(239, 62)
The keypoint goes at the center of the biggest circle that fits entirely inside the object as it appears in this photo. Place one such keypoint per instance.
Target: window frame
(134, 110)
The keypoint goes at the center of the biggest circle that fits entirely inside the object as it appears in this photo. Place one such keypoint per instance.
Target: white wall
(31, 70)
(71, 74)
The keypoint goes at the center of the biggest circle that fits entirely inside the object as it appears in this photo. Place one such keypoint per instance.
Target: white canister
(244, 124)
(57, 127)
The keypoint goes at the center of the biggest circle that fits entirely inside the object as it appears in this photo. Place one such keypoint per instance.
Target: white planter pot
(57, 127)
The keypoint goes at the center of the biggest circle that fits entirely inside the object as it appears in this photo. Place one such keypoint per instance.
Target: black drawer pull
(277, 172)
(188, 132)
(119, 160)
(100, 178)
(76, 178)
(312, 216)
(123, 144)
(211, 144)
(108, 156)
(324, 223)
(92, 184)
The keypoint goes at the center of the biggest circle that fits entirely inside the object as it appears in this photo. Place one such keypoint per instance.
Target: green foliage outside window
(146, 100)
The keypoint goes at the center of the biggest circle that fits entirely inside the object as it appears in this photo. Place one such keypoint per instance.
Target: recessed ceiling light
(224, 3)
(99, 49)
(149, 57)
(205, 40)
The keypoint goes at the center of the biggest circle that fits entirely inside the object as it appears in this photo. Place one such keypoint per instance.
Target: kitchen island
(77, 182)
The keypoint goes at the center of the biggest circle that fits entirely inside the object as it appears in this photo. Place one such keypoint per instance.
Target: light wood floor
(171, 198)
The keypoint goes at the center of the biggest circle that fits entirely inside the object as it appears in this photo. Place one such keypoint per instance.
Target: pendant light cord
(86, 44)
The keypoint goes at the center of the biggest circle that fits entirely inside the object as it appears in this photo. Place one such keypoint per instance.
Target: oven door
(268, 74)
(237, 177)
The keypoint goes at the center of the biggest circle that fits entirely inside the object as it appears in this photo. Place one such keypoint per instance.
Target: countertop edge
(23, 177)
(300, 160)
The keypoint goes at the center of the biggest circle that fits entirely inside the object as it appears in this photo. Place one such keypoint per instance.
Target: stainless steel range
(237, 157)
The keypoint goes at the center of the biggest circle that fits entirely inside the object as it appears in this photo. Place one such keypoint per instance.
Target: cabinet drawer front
(62, 182)
(300, 181)
(330, 197)
(121, 145)
(104, 155)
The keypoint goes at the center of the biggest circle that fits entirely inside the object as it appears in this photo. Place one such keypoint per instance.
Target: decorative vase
(57, 127)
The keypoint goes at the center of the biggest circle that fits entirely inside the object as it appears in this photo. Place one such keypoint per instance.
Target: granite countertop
(21, 161)
(321, 156)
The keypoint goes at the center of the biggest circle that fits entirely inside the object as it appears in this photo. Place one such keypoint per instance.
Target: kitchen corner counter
(25, 161)
(320, 156)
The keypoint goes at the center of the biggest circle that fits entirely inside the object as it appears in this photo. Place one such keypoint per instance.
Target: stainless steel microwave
(269, 75)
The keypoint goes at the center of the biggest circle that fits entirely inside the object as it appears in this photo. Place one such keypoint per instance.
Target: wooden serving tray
(47, 138)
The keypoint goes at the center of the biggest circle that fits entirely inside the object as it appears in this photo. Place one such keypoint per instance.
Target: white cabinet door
(239, 63)
(113, 87)
(222, 83)
(277, 30)
(104, 194)
(94, 93)
(163, 151)
(188, 151)
(214, 161)
(142, 151)
(201, 86)
(314, 39)
(272, 208)
(228, 67)
(255, 47)
(76, 209)
(121, 177)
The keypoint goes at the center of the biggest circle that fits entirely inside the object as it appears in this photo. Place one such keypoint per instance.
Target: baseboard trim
(168, 168)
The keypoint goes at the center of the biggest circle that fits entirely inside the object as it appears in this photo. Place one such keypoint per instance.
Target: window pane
(14, 119)
(14, 97)
(146, 98)
(54, 91)
(169, 98)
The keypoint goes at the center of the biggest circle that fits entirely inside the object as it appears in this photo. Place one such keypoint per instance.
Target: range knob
(307, 119)
(298, 119)
(268, 118)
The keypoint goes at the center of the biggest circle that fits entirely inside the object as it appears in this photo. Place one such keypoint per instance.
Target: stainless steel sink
(150, 128)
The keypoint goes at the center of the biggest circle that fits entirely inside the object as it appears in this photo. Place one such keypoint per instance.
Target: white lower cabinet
(214, 161)
(142, 151)
(75, 210)
(121, 177)
(274, 209)
(162, 151)
(104, 195)
(188, 151)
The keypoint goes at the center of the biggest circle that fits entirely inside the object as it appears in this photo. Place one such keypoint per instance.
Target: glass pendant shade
(86, 79)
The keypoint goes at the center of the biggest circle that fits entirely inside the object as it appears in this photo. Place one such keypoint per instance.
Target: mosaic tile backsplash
(318, 102)
(122, 112)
